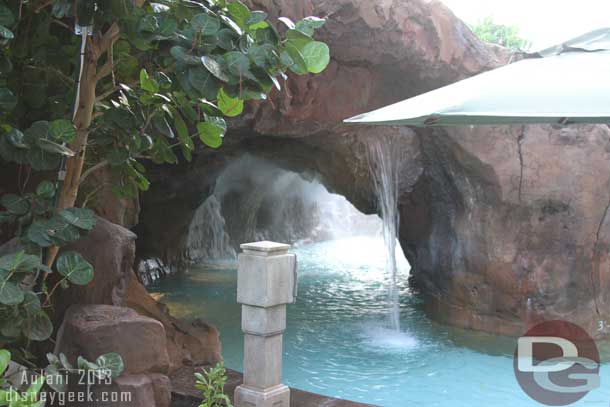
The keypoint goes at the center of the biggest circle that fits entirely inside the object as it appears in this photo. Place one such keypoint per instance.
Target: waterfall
(256, 200)
(384, 164)
(207, 238)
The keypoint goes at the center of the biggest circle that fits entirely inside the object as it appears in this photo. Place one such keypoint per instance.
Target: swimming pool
(337, 344)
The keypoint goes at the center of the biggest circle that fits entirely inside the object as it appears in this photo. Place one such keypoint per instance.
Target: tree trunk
(96, 47)
(82, 122)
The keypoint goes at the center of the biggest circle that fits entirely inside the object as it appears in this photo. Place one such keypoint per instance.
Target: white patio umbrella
(568, 83)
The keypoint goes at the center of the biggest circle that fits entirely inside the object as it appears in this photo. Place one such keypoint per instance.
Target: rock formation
(111, 250)
(503, 226)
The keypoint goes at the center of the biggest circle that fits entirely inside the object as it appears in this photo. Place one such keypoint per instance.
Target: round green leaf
(205, 24)
(12, 329)
(225, 39)
(182, 130)
(148, 24)
(256, 17)
(81, 218)
(61, 232)
(31, 303)
(20, 262)
(17, 139)
(38, 328)
(309, 24)
(214, 67)
(62, 130)
(229, 106)
(240, 13)
(147, 83)
(203, 81)
(6, 33)
(5, 359)
(15, 204)
(263, 56)
(209, 134)
(237, 63)
(45, 190)
(75, 268)
(299, 66)
(112, 362)
(181, 55)
(267, 35)
(317, 56)
(10, 293)
(298, 39)
(38, 233)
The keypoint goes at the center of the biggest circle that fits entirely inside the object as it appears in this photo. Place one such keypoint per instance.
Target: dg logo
(556, 363)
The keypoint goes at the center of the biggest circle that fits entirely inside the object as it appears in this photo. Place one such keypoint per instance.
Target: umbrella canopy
(568, 83)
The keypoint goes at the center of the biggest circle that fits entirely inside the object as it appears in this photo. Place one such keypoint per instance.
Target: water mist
(255, 200)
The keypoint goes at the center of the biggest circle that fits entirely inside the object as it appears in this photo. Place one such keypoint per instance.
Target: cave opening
(343, 299)
(253, 199)
(339, 340)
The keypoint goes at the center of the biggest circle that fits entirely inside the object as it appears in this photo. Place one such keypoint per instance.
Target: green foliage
(22, 316)
(506, 36)
(164, 86)
(106, 366)
(179, 68)
(202, 61)
(56, 374)
(211, 382)
(12, 397)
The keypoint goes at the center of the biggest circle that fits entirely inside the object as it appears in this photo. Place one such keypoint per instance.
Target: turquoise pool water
(336, 342)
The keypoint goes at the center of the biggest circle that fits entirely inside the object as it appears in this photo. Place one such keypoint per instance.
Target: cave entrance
(255, 200)
(342, 311)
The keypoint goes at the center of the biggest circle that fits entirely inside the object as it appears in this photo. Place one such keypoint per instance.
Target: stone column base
(276, 396)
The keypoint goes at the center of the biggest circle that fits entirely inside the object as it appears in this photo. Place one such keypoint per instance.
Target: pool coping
(186, 395)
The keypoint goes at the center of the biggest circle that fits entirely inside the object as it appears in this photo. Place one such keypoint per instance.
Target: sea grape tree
(86, 85)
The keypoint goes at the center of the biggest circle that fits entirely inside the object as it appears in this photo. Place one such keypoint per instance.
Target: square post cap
(265, 248)
(266, 275)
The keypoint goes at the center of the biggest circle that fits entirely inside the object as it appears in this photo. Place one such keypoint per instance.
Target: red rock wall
(504, 226)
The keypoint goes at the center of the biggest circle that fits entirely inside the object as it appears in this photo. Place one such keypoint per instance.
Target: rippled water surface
(336, 342)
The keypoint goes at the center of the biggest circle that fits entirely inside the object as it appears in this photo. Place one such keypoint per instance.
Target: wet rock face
(503, 226)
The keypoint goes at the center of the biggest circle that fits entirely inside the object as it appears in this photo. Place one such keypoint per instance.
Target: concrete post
(266, 282)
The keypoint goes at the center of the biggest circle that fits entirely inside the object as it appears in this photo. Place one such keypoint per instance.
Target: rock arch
(504, 226)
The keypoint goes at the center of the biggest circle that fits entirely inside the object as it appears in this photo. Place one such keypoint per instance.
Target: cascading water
(384, 163)
(207, 238)
(255, 200)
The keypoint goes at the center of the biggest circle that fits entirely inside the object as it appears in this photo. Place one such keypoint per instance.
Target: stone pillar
(266, 282)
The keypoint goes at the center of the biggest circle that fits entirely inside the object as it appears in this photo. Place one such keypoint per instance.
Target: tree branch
(62, 24)
(69, 81)
(39, 7)
(109, 37)
(91, 170)
(105, 70)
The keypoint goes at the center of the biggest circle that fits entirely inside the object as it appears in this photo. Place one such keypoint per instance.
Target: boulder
(128, 390)
(92, 330)
(110, 248)
(193, 343)
(152, 390)
(200, 342)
